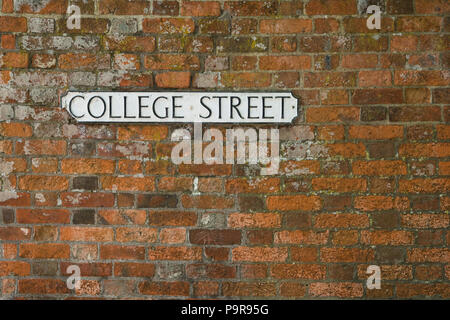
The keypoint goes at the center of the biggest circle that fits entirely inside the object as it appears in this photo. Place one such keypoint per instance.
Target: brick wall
(364, 178)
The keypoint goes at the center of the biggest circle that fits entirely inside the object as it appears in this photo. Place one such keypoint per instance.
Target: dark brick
(385, 220)
(425, 203)
(391, 255)
(420, 132)
(297, 220)
(410, 114)
(156, 201)
(215, 237)
(336, 203)
(166, 8)
(429, 238)
(297, 185)
(85, 148)
(382, 150)
(125, 199)
(252, 204)
(260, 237)
(44, 268)
(85, 183)
(84, 216)
(8, 215)
(441, 95)
(243, 44)
(400, 6)
(341, 272)
(373, 113)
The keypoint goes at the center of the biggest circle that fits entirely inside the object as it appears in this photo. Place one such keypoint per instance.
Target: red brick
(175, 253)
(359, 61)
(379, 168)
(122, 252)
(128, 183)
(146, 133)
(14, 268)
(418, 24)
(199, 9)
(246, 80)
(14, 60)
(172, 235)
(250, 8)
(275, 26)
(298, 271)
(206, 288)
(284, 62)
(207, 202)
(341, 220)
(394, 238)
(254, 220)
(410, 290)
(346, 255)
(377, 96)
(14, 233)
(331, 7)
(210, 271)
(44, 251)
(376, 132)
(92, 269)
(168, 25)
(80, 199)
(432, 6)
(429, 255)
(336, 289)
(215, 237)
(41, 147)
(375, 78)
(242, 185)
(133, 269)
(259, 254)
(13, 24)
(93, 234)
(421, 78)
(173, 80)
(417, 150)
(301, 237)
(332, 114)
(291, 289)
(298, 202)
(118, 7)
(42, 286)
(50, 183)
(339, 184)
(87, 166)
(34, 216)
(136, 234)
(431, 185)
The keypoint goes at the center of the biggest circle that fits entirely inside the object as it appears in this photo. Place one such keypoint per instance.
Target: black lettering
(251, 107)
(282, 105)
(110, 109)
(154, 110)
(125, 108)
(205, 106)
(174, 106)
(89, 107)
(220, 104)
(234, 106)
(70, 107)
(264, 106)
(142, 106)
